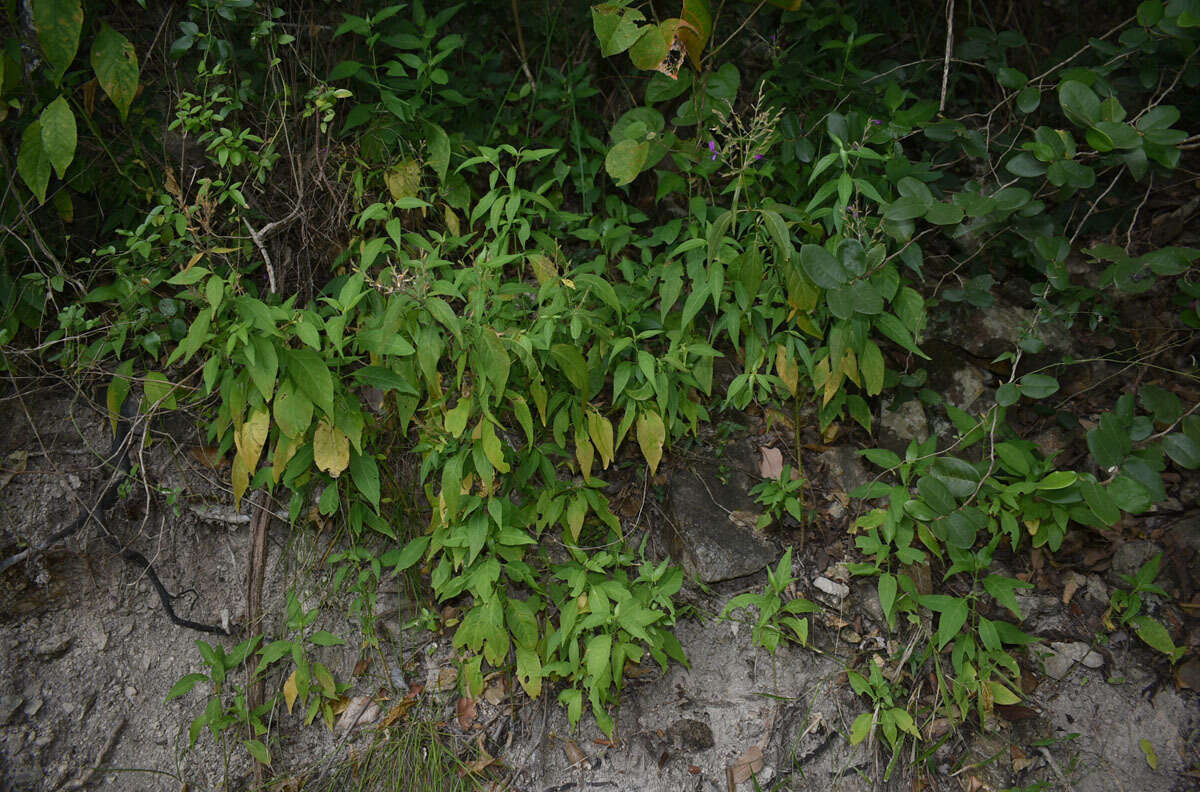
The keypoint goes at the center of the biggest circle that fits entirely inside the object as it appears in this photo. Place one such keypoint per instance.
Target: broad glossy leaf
(58, 24)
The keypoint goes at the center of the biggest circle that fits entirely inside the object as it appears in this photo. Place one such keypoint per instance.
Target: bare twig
(946, 58)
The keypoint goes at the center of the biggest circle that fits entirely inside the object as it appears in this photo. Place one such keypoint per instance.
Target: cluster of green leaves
(311, 682)
(777, 610)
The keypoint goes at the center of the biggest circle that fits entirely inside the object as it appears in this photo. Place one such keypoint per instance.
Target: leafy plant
(1127, 605)
(778, 610)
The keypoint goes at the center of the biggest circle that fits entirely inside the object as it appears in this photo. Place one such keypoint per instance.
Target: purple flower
(876, 121)
(758, 157)
(712, 146)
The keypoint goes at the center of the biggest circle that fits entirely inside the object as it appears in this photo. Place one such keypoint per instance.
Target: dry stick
(946, 58)
(255, 572)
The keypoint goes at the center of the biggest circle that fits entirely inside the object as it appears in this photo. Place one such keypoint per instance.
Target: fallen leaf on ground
(466, 712)
(747, 764)
(575, 754)
(360, 711)
(481, 761)
(496, 691)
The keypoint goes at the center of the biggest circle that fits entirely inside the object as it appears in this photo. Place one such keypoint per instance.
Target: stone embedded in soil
(845, 468)
(9, 704)
(54, 647)
(900, 424)
(1129, 559)
(705, 538)
(1066, 655)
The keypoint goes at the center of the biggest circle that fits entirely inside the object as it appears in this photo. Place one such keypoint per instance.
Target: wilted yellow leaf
(543, 268)
(404, 179)
(251, 436)
(239, 477)
(331, 449)
(290, 692)
(285, 449)
(585, 454)
(787, 369)
(651, 434)
(600, 429)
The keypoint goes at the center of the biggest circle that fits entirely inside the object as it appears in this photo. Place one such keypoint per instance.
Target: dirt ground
(87, 657)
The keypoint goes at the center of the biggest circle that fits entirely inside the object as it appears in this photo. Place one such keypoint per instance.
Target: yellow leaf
(452, 224)
(239, 477)
(585, 454)
(285, 449)
(651, 434)
(290, 692)
(601, 431)
(543, 268)
(492, 448)
(787, 369)
(1151, 754)
(251, 436)
(1002, 695)
(331, 449)
(850, 367)
(404, 179)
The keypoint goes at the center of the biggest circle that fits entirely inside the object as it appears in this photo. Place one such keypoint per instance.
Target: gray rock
(9, 704)
(997, 329)
(51, 648)
(713, 535)
(900, 424)
(1129, 559)
(1065, 656)
(845, 467)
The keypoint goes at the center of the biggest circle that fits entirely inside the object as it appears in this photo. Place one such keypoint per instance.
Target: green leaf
(651, 435)
(953, 617)
(323, 638)
(625, 160)
(437, 144)
(1058, 479)
(1001, 588)
(652, 46)
(1025, 165)
(293, 410)
(33, 162)
(1165, 405)
(116, 65)
(894, 329)
(906, 208)
(411, 553)
(861, 728)
(1079, 102)
(1099, 501)
(573, 365)
(1147, 746)
(58, 24)
(870, 365)
(1008, 394)
(936, 495)
(963, 526)
(185, 685)
(887, 594)
(158, 390)
(822, 268)
(615, 27)
(258, 751)
(364, 471)
(58, 134)
(865, 298)
(959, 476)
(309, 371)
(118, 389)
(1183, 450)
(1109, 442)
(599, 648)
(945, 214)
(1029, 99)
(385, 379)
(1038, 386)
(1156, 636)
(265, 366)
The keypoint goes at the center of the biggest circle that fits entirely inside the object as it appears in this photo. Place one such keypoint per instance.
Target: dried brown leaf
(747, 764)
(467, 709)
(771, 466)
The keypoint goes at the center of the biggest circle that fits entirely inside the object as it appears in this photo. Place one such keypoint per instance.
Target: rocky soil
(87, 654)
